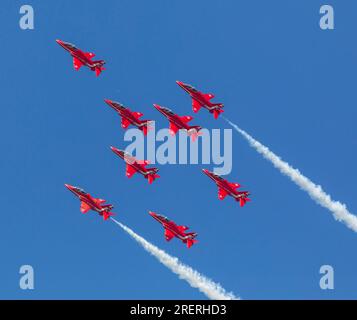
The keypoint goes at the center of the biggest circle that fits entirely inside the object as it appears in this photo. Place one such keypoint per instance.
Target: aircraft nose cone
(107, 101)
(181, 84)
(157, 106)
(151, 213)
(68, 186)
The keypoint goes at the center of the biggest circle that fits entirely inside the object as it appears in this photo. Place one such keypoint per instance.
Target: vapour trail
(196, 280)
(338, 209)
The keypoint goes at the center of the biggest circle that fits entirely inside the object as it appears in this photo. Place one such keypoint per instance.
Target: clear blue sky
(284, 80)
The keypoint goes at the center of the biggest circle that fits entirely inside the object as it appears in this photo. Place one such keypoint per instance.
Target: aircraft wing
(130, 171)
(168, 235)
(89, 55)
(77, 63)
(84, 207)
(125, 122)
(186, 119)
(234, 185)
(98, 201)
(143, 163)
(137, 115)
(222, 193)
(196, 106)
(209, 96)
(182, 228)
(173, 128)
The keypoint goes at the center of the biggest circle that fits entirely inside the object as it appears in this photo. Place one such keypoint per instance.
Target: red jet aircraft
(173, 230)
(227, 188)
(90, 203)
(177, 122)
(133, 166)
(82, 58)
(200, 99)
(128, 117)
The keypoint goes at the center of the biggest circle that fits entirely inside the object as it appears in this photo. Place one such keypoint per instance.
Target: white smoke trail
(196, 280)
(338, 209)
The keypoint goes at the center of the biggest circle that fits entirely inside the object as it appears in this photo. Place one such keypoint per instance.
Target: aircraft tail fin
(194, 133)
(190, 242)
(243, 201)
(152, 177)
(107, 215)
(217, 112)
(98, 70)
(98, 66)
(146, 127)
(108, 206)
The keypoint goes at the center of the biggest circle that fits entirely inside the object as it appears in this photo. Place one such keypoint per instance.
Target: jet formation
(176, 123)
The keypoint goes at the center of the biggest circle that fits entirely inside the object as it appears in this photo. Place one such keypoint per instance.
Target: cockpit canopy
(127, 155)
(188, 86)
(70, 45)
(167, 110)
(163, 217)
(79, 190)
(217, 176)
(118, 104)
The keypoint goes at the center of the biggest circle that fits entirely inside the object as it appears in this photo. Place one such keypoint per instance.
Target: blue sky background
(281, 78)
